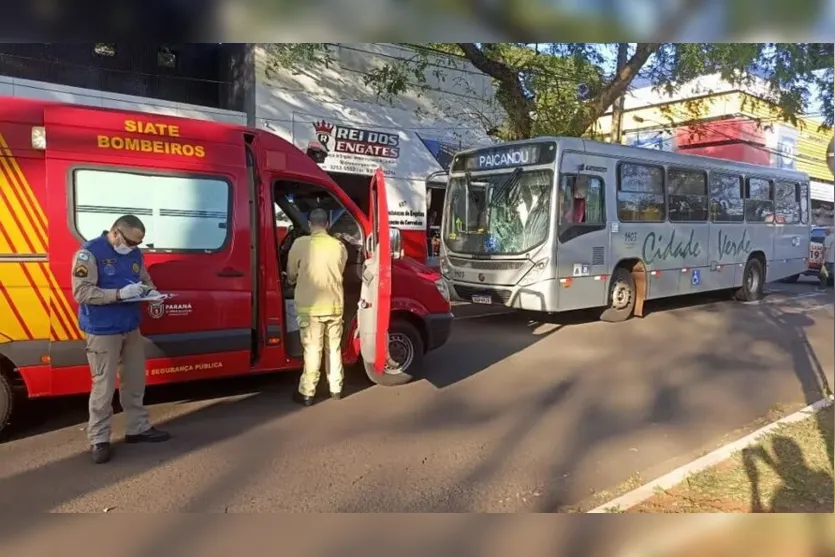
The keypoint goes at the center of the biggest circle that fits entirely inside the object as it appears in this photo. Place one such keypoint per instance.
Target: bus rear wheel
(752, 281)
(622, 295)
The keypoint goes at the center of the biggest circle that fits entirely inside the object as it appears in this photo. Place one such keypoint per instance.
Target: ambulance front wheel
(405, 356)
(7, 399)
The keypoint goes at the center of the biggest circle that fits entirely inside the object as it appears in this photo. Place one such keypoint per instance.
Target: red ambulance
(208, 194)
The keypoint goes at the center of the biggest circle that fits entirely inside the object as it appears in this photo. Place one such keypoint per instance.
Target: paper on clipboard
(155, 298)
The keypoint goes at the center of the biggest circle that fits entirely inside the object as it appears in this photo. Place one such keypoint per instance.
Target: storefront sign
(821, 191)
(829, 157)
(782, 140)
(357, 141)
(663, 140)
(354, 149)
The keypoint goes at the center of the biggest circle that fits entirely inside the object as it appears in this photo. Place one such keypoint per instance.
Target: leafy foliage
(563, 88)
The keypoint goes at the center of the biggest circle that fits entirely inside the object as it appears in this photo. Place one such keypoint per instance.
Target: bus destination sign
(506, 156)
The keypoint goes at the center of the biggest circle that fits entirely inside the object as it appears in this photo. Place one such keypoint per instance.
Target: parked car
(815, 255)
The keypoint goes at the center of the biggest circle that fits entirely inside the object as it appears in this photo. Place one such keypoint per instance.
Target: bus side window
(726, 199)
(787, 209)
(640, 193)
(582, 201)
(567, 200)
(686, 195)
(759, 200)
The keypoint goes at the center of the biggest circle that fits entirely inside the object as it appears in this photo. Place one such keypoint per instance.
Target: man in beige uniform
(315, 266)
(106, 271)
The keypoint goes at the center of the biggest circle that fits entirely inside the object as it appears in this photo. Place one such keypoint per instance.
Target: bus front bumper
(535, 297)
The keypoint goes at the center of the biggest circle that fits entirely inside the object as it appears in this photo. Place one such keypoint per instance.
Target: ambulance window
(180, 213)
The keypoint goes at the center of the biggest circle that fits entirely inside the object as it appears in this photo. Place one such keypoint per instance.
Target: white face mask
(122, 249)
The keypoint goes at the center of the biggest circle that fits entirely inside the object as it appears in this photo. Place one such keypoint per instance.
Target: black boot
(150, 435)
(299, 398)
(101, 453)
(336, 396)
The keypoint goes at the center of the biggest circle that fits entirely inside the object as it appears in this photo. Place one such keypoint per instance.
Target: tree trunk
(618, 85)
(510, 92)
(617, 110)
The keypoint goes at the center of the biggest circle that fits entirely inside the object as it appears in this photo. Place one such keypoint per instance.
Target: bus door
(374, 310)
(583, 249)
(98, 171)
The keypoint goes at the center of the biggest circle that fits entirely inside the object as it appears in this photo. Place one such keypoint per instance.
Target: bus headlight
(535, 274)
(444, 266)
(442, 287)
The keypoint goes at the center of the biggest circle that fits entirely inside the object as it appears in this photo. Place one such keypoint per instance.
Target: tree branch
(617, 86)
(509, 89)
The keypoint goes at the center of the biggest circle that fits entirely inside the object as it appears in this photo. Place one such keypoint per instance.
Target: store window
(180, 213)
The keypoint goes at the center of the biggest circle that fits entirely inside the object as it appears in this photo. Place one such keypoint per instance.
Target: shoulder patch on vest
(80, 271)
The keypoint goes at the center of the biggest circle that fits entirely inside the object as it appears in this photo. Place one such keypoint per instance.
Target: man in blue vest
(106, 271)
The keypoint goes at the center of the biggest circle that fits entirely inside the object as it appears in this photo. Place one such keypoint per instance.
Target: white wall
(709, 84)
(26, 88)
(457, 107)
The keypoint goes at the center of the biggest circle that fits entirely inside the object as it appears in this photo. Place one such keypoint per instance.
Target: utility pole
(617, 108)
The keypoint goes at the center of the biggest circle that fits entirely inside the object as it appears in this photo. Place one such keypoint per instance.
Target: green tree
(563, 88)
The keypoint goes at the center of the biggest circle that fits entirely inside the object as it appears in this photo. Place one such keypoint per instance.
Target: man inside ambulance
(315, 268)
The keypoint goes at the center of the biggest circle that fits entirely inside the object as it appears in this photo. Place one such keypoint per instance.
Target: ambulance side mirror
(396, 243)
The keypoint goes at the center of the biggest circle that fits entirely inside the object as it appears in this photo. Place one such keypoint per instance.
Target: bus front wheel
(752, 281)
(622, 295)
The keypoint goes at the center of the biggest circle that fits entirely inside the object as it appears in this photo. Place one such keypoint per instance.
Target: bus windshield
(498, 214)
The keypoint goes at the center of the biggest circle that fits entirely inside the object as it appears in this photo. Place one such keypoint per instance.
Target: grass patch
(788, 471)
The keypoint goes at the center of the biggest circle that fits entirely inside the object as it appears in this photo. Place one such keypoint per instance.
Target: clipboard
(157, 298)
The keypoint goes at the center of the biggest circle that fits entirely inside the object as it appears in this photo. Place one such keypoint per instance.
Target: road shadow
(596, 417)
(44, 415)
(808, 368)
(801, 490)
(478, 343)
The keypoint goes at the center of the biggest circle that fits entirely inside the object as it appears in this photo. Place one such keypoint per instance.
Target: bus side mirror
(396, 243)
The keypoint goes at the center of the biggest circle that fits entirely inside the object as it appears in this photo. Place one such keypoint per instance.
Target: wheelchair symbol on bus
(695, 278)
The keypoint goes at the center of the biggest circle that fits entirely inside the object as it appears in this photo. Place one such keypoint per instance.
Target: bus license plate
(482, 299)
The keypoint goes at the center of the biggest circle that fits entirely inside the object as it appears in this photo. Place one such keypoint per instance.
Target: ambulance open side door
(374, 312)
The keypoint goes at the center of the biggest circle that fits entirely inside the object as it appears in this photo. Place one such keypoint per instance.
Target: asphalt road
(517, 413)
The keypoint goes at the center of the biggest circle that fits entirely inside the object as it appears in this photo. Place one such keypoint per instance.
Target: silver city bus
(558, 224)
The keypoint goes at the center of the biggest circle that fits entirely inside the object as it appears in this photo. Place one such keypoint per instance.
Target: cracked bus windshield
(499, 214)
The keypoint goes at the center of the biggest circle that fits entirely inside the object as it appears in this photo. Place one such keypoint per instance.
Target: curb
(672, 479)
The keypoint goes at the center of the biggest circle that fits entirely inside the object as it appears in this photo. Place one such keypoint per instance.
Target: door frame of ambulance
(374, 312)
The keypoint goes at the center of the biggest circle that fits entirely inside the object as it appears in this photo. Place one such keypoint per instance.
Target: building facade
(712, 118)
(191, 80)
(412, 136)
